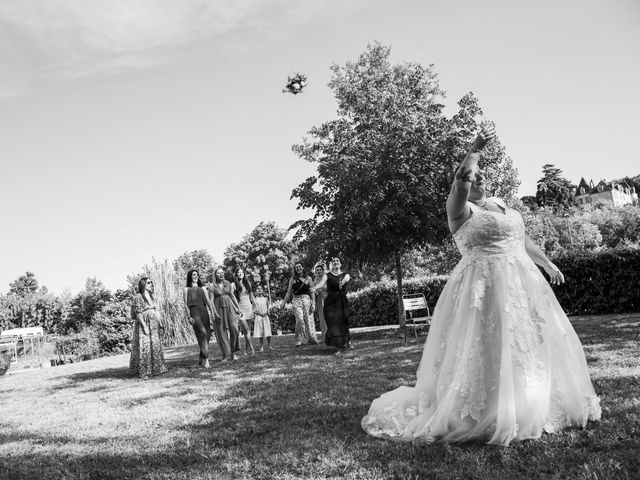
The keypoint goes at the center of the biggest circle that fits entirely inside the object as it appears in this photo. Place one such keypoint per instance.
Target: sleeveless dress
(336, 312)
(501, 361)
(197, 304)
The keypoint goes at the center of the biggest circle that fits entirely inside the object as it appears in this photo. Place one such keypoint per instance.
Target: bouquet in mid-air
(295, 83)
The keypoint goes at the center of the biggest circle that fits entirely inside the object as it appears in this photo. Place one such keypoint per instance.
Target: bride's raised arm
(457, 210)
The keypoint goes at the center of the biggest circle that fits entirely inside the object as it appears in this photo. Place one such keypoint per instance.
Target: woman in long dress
(226, 325)
(147, 358)
(320, 294)
(336, 307)
(246, 303)
(196, 302)
(501, 361)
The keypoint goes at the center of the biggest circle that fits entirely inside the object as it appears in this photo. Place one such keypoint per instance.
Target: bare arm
(457, 209)
(234, 300)
(311, 294)
(186, 305)
(539, 258)
(212, 307)
(288, 294)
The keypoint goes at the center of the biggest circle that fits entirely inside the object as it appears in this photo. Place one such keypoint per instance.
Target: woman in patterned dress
(147, 358)
(226, 324)
(336, 307)
(303, 305)
(501, 361)
(246, 303)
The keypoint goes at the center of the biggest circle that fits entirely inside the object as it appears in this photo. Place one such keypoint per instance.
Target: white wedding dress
(501, 361)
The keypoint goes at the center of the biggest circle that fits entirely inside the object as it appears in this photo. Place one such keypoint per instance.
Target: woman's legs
(298, 311)
(308, 322)
(222, 336)
(202, 329)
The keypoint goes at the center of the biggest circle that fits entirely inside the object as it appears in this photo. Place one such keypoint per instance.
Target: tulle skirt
(501, 363)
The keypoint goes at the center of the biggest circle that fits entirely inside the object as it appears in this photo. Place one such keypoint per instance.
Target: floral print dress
(146, 350)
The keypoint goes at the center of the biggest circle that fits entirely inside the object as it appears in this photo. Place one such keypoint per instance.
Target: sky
(141, 129)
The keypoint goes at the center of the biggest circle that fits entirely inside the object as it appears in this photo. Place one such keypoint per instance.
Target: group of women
(324, 296)
(230, 309)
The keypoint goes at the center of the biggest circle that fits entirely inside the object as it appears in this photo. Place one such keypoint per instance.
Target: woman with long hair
(147, 358)
(299, 291)
(246, 303)
(336, 307)
(501, 361)
(196, 302)
(226, 325)
(320, 294)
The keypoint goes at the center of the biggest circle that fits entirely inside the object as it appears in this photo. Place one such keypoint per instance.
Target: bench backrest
(414, 303)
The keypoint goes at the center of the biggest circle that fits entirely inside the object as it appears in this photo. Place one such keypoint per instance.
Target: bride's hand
(555, 275)
(486, 135)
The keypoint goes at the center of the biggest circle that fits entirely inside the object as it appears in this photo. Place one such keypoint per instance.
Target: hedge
(600, 282)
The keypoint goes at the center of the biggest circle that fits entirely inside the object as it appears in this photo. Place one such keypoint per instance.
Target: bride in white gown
(501, 361)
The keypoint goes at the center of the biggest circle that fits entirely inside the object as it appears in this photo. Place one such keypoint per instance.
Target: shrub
(79, 346)
(378, 303)
(600, 282)
(114, 333)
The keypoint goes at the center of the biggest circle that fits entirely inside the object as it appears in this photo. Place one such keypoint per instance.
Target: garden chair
(412, 303)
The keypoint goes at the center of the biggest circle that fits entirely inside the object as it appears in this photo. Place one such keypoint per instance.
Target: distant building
(605, 192)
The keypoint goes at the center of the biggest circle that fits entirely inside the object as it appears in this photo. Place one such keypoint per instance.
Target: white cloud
(72, 38)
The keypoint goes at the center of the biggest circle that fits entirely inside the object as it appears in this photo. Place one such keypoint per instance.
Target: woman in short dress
(246, 303)
(147, 358)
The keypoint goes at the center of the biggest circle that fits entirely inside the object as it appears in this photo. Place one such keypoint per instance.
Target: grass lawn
(290, 414)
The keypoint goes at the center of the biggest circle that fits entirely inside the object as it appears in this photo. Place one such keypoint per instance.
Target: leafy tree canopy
(385, 164)
(554, 191)
(200, 260)
(24, 284)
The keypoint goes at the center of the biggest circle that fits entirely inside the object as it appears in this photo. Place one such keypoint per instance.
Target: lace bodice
(491, 233)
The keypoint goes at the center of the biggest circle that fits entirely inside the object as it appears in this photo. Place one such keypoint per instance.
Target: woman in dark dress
(336, 307)
(196, 302)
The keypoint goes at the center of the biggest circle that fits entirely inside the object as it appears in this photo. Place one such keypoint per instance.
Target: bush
(114, 333)
(79, 346)
(378, 303)
(600, 282)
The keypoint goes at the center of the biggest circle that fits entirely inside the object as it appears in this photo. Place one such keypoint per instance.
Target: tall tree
(266, 247)
(200, 260)
(385, 165)
(24, 284)
(554, 191)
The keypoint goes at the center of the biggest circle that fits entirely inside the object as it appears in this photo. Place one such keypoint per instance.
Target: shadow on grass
(295, 413)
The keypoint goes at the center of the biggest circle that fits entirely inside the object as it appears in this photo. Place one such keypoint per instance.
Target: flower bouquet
(295, 83)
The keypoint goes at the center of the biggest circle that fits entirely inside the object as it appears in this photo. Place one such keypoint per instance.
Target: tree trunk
(402, 320)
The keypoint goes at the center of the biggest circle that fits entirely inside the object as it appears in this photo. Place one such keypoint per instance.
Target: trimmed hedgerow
(600, 282)
(378, 303)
